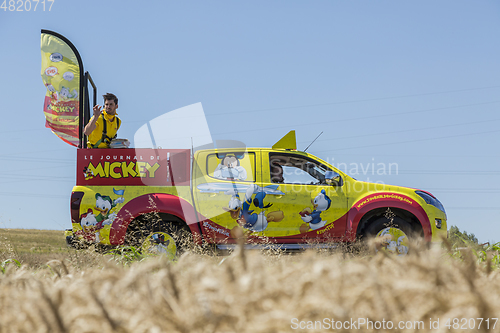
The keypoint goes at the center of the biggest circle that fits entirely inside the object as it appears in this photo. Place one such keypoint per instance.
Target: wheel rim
(392, 240)
(160, 243)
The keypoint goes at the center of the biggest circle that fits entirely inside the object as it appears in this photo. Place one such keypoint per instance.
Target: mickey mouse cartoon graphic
(229, 167)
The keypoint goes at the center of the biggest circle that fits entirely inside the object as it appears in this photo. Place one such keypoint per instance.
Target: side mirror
(332, 178)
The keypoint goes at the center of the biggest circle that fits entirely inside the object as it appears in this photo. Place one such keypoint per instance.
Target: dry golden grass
(248, 291)
(33, 241)
(34, 248)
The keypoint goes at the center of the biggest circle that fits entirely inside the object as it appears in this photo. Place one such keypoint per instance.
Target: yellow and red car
(276, 196)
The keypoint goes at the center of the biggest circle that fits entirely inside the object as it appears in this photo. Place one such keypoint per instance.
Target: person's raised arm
(91, 126)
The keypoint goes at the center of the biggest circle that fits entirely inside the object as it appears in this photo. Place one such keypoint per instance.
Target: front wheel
(391, 236)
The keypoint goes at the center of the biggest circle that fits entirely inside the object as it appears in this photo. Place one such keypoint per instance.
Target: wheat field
(431, 290)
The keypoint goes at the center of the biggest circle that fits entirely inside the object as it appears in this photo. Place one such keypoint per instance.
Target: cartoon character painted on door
(247, 218)
(312, 217)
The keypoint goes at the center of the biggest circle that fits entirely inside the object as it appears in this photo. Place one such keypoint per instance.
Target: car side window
(295, 169)
(232, 166)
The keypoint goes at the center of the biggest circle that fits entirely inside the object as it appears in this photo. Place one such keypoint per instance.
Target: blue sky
(411, 83)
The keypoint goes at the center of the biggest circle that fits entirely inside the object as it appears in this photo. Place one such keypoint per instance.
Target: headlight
(431, 200)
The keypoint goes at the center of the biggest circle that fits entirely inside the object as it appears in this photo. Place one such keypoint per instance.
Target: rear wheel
(158, 234)
(161, 243)
(391, 235)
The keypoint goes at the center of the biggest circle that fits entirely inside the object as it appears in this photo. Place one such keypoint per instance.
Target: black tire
(392, 231)
(150, 228)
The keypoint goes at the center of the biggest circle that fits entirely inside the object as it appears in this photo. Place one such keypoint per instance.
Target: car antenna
(313, 141)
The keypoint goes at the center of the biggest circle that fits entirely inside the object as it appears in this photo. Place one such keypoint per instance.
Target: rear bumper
(71, 240)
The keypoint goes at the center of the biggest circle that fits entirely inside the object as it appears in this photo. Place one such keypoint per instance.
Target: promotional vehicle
(278, 196)
(269, 196)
